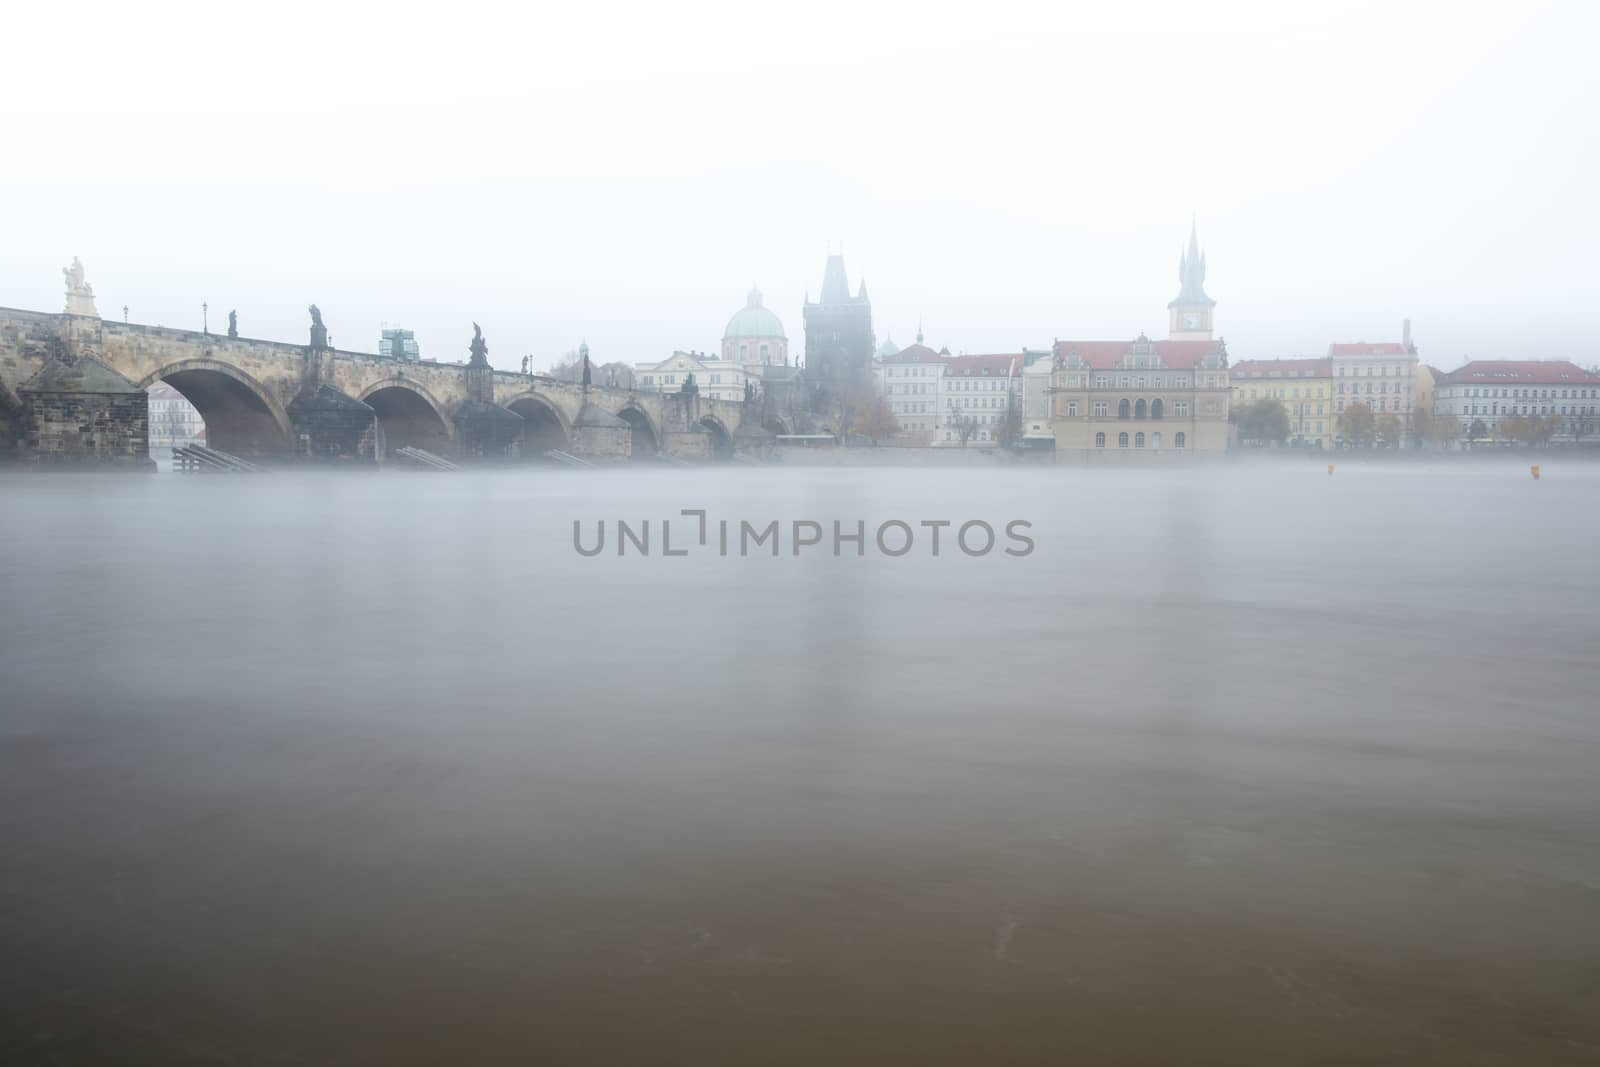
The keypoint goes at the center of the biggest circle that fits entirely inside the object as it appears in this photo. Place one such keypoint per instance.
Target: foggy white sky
(623, 173)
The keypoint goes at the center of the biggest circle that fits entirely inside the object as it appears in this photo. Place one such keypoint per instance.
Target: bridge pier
(486, 431)
(686, 444)
(74, 409)
(79, 411)
(598, 434)
(330, 426)
(689, 431)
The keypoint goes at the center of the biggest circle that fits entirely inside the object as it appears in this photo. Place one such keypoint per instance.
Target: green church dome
(754, 320)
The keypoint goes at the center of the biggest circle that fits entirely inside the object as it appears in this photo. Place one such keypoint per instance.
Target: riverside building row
(1140, 395)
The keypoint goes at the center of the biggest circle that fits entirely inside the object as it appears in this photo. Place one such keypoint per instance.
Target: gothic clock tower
(1191, 311)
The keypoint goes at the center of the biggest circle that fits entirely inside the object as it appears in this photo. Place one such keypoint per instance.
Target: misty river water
(1244, 764)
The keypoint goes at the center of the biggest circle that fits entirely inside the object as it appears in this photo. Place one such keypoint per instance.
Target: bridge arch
(241, 415)
(646, 439)
(776, 424)
(408, 416)
(721, 440)
(545, 425)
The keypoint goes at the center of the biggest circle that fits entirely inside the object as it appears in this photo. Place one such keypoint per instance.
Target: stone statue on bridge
(319, 332)
(479, 347)
(233, 324)
(80, 294)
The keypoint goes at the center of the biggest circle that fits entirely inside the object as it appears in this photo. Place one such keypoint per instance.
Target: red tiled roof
(1520, 372)
(1363, 348)
(1105, 355)
(915, 354)
(977, 366)
(1282, 368)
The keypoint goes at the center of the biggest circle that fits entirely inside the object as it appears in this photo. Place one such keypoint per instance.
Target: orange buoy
(1330, 469)
(1534, 470)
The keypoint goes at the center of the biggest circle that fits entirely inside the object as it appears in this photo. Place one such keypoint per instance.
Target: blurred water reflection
(1239, 766)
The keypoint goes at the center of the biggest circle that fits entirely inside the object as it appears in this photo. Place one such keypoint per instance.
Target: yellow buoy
(1534, 470)
(1330, 468)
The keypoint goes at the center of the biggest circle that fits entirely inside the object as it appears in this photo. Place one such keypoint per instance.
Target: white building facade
(909, 382)
(976, 396)
(1489, 390)
(174, 421)
(1383, 376)
(717, 379)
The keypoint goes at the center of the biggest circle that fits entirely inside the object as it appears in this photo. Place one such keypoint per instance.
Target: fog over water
(1246, 764)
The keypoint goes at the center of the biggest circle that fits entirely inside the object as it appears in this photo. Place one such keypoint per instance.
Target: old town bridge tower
(839, 338)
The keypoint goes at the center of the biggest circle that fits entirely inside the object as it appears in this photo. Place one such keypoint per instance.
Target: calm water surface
(1244, 765)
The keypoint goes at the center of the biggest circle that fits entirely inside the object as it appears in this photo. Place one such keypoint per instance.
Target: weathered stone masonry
(71, 388)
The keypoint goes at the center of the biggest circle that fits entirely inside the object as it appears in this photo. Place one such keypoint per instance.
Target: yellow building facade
(1305, 386)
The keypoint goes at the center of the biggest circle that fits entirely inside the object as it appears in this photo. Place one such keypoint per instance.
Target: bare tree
(1010, 432)
(965, 425)
(873, 417)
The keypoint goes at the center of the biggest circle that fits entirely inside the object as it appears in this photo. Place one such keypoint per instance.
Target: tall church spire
(1191, 311)
(1192, 268)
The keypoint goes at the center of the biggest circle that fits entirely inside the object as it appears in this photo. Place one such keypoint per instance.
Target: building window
(1122, 410)
(1138, 440)
(1099, 440)
(1138, 409)
(1155, 440)
(1102, 408)
(1177, 440)
(1155, 408)
(1072, 409)
(1122, 438)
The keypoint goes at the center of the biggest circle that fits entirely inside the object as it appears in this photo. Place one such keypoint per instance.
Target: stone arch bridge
(73, 385)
